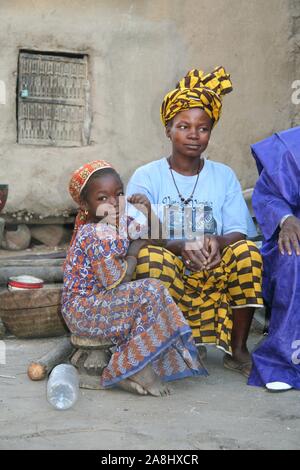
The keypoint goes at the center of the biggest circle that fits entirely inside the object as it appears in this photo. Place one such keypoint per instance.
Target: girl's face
(190, 132)
(102, 199)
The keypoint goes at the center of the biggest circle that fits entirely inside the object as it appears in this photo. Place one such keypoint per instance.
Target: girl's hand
(139, 224)
(131, 265)
(136, 246)
(142, 200)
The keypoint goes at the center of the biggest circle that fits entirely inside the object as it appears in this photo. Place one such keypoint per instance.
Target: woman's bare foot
(148, 379)
(240, 362)
(241, 355)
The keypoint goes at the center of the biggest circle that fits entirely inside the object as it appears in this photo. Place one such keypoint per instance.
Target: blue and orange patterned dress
(140, 317)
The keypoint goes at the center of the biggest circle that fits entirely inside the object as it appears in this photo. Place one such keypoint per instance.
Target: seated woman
(153, 342)
(217, 284)
(276, 201)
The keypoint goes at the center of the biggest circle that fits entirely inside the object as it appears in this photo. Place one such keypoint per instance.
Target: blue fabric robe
(276, 194)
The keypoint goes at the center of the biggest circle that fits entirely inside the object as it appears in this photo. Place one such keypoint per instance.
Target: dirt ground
(217, 412)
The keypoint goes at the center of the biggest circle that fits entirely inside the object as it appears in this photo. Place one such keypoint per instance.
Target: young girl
(152, 341)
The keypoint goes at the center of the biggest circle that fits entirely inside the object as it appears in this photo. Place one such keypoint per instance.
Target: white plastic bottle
(63, 386)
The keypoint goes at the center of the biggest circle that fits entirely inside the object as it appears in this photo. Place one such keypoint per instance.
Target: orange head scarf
(78, 181)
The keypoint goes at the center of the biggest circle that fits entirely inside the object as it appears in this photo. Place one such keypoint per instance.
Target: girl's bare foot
(145, 382)
(131, 386)
(148, 379)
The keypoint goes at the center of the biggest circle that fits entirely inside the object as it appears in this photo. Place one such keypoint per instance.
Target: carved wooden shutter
(52, 100)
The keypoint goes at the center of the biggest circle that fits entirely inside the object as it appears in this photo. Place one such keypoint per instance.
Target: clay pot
(3, 195)
(18, 239)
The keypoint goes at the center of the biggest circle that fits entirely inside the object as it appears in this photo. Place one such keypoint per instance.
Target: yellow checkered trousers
(207, 298)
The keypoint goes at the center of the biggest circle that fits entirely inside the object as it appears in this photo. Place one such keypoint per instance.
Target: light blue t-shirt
(217, 206)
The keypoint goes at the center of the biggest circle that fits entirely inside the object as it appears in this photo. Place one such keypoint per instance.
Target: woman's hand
(289, 236)
(212, 246)
(193, 255)
(198, 255)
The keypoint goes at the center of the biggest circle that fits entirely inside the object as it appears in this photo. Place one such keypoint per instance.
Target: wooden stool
(90, 358)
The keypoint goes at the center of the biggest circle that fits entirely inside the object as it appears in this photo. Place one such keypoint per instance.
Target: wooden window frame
(53, 99)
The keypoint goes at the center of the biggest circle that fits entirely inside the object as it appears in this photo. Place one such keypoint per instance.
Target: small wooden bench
(90, 358)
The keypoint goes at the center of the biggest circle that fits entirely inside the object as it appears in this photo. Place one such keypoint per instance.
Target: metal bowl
(24, 282)
(3, 195)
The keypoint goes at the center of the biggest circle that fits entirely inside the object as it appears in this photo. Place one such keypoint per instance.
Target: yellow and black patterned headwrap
(197, 90)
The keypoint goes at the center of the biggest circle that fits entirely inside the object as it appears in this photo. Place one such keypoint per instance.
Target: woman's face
(103, 197)
(190, 132)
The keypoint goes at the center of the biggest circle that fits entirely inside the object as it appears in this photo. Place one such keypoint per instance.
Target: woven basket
(34, 313)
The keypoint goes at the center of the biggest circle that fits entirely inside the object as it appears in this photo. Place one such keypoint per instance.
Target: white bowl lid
(26, 279)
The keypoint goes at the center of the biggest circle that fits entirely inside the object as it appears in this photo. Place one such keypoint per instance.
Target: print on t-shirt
(188, 221)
